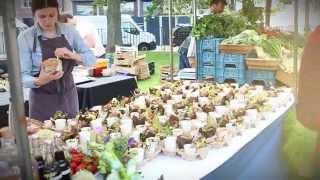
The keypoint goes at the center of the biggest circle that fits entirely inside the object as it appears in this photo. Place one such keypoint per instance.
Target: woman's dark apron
(58, 95)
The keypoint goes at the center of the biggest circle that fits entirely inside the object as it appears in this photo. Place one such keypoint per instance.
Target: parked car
(132, 34)
(180, 34)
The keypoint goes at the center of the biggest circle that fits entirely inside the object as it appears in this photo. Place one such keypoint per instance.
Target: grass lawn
(159, 58)
(298, 143)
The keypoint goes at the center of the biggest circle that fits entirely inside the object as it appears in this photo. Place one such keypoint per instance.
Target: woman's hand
(44, 78)
(65, 53)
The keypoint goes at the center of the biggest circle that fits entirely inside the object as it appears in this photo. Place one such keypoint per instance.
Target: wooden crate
(125, 56)
(165, 72)
(129, 61)
(143, 69)
(288, 79)
(262, 64)
(236, 48)
(132, 70)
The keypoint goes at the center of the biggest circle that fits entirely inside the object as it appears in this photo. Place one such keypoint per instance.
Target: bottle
(36, 152)
(51, 168)
(63, 165)
(60, 159)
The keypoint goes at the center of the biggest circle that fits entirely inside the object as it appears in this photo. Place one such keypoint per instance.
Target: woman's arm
(25, 62)
(85, 55)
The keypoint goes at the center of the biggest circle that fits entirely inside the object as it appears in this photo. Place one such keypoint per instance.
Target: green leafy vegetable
(219, 25)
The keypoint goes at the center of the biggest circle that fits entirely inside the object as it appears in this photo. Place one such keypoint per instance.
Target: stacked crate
(125, 56)
(127, 60)
(231, 67)
(207, 57)
(165, 73)
(261, 77)
(262, 71)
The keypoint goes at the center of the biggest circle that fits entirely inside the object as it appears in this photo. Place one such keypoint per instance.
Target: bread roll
(52, 65)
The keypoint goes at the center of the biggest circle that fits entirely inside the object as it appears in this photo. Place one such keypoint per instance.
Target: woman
(56, 91)
(308, 108)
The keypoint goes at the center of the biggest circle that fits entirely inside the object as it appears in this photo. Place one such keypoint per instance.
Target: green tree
(253, 13)
(114, 35)
(180, 7)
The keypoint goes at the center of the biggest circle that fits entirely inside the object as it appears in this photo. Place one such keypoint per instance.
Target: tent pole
(17, 98)
(194, 4)
(170, 39)
(296, 32)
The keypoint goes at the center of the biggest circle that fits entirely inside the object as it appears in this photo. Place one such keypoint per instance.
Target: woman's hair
(41, 4)
(63, 18)
(211, 2)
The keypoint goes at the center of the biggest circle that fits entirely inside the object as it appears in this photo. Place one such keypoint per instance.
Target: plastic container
(206, 72)
(261, 77)
(238, 60)
(209, 44)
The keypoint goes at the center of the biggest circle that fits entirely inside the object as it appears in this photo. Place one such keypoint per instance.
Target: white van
(132, 34)
(20, 27)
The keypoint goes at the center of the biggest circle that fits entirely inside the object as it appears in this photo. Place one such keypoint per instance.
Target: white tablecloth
(174, 168)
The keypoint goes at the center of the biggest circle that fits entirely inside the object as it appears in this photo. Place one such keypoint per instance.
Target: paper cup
(84, 137)
(111, 121)
(60, 124)
(177, 132)
(221, 109)
(202, 116)
(126, 129)
(203, 101)
(163, 119)
(96, 124)
(189, 150)
(186, 126)
(170, 144)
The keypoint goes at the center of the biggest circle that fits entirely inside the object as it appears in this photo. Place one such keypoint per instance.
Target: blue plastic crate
(209, 44)
(219, 72)
(219, 79)
(219, 62)
(207, 58)
(205, 72)
(239, 80)
(233, 72)
(261, 77)
(238, 60)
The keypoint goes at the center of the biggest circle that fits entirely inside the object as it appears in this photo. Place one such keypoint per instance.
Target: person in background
(183, 50)
(217, 6)
(87, 32)
(47, 38)
(187, 49)
(308, 106)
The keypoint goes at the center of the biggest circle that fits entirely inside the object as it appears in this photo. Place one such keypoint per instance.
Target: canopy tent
(18, 120)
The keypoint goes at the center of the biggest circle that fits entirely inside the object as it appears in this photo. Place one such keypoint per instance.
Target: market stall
(179, 130)
(189, 124)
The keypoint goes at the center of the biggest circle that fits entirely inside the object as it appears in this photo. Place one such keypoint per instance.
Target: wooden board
(288, 79)
(262, 64)
(235, 48)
